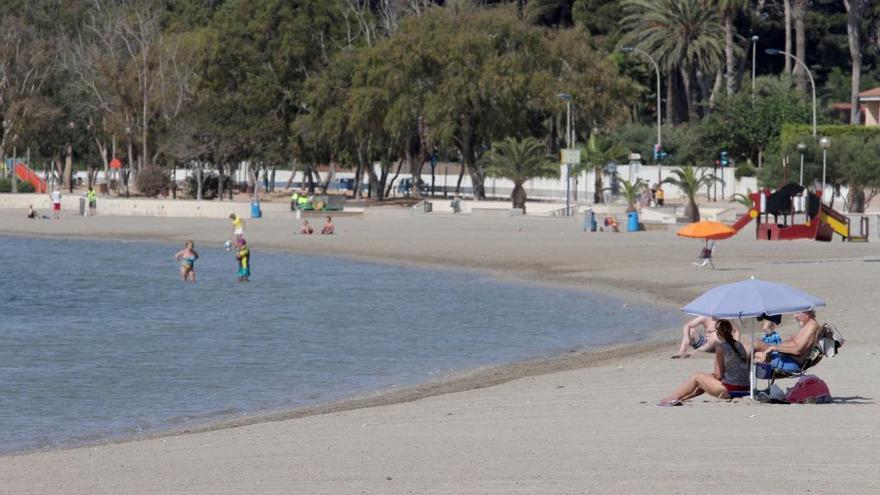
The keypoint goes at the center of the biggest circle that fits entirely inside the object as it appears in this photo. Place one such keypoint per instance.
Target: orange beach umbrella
(708, 229)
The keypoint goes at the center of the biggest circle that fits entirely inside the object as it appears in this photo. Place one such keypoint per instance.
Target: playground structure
(790, 203)
(26, 174)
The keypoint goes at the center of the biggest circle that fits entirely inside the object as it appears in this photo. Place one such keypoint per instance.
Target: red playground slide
(25, 174)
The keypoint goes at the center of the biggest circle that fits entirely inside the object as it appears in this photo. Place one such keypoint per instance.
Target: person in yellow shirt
(243, 255)
(659, 195)
(237, 226)
(92, 197)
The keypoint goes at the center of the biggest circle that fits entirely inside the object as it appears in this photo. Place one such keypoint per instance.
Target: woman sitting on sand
(731, 371)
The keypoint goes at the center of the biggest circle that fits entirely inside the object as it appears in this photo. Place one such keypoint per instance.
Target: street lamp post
(568, 138)
(825, 143)
(632, 49)
(754, 49)
(775, 51)
(802, 147)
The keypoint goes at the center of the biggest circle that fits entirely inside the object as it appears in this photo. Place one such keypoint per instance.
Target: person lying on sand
(731, 371)
(693, 340)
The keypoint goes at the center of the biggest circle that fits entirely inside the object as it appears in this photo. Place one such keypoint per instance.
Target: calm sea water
(101, 340)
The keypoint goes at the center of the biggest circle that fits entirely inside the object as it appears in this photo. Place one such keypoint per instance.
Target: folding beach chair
(705, 257)
(828, 344)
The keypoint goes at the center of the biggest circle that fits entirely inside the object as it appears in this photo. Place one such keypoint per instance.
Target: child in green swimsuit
(187, 258)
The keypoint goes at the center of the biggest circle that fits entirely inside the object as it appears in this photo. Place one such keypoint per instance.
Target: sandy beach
(586, 423)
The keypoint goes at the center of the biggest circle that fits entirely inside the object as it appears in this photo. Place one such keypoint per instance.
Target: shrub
(153, 181)
(23, 187)
(210, 185)
(744, 170)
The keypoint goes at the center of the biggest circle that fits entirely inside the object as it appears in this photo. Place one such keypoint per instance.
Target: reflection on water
(100, 339)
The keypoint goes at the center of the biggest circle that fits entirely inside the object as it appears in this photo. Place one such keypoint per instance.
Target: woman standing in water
(187, 257)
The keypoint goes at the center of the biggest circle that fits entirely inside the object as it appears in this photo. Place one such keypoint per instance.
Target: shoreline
(458, 380)
(583, 426)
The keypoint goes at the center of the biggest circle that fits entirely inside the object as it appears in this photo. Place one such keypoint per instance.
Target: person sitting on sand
(791, 353)
(32, 213)
(693, 340)
(731, 371)
(328, 226)
(306, 228)
(187, 257)
(611, 224)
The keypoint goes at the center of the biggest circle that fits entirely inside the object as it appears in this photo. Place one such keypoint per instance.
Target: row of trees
(210, 84)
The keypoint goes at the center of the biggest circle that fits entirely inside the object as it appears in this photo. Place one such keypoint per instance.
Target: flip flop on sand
(669, 403)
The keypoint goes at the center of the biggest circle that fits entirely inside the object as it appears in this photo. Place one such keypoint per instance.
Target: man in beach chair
(802, 351)
(705, 257)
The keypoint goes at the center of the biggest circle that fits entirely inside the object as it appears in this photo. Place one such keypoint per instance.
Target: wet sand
(585, 423)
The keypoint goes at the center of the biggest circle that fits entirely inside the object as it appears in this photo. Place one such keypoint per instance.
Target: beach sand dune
(588, 425)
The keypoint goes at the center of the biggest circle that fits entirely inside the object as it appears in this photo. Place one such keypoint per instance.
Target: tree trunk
(688, 95)
(730, 67)
(518, 196)
(670, 105)
(799, 12)
(598, 196)
(467, 143)
(199, 182)
(786, 7)
(692, 211)
(854, 10)
(68, 169)
(220, 182)
(856, 199)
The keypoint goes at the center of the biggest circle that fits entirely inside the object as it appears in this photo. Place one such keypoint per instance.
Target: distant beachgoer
(243, 255)
(92, 196)
(32, 213)
(306, 228)
(328, 226)
(692, 340)
(610, 224)
(237, 226)
(731, 371)
(659, 195)
(55, 196)
(187, 257)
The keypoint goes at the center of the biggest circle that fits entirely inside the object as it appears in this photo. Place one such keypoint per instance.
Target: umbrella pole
(752, 377)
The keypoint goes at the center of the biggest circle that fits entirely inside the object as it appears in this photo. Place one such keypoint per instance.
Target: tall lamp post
(775, 51)
(632, 49)
(755, 39)
(801, 147)
(568, 139)
(825, 143)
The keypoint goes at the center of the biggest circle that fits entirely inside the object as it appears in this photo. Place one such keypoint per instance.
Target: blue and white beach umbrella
(751, 298)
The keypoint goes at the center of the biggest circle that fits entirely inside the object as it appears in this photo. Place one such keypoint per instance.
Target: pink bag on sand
(810, 388)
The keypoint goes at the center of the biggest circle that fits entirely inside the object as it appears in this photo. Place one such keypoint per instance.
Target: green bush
(23, 187)
(744, 170)
(153, 181)
(26, 187)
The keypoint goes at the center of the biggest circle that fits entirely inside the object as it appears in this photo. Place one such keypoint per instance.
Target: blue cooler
(255, 209)
(632, 221)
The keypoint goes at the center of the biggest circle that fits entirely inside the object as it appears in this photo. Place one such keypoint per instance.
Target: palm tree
(689, 180)
(744, 199)
(600, 151)
(682, 35)
(520, 161)
(729, 10)
(631, 192)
